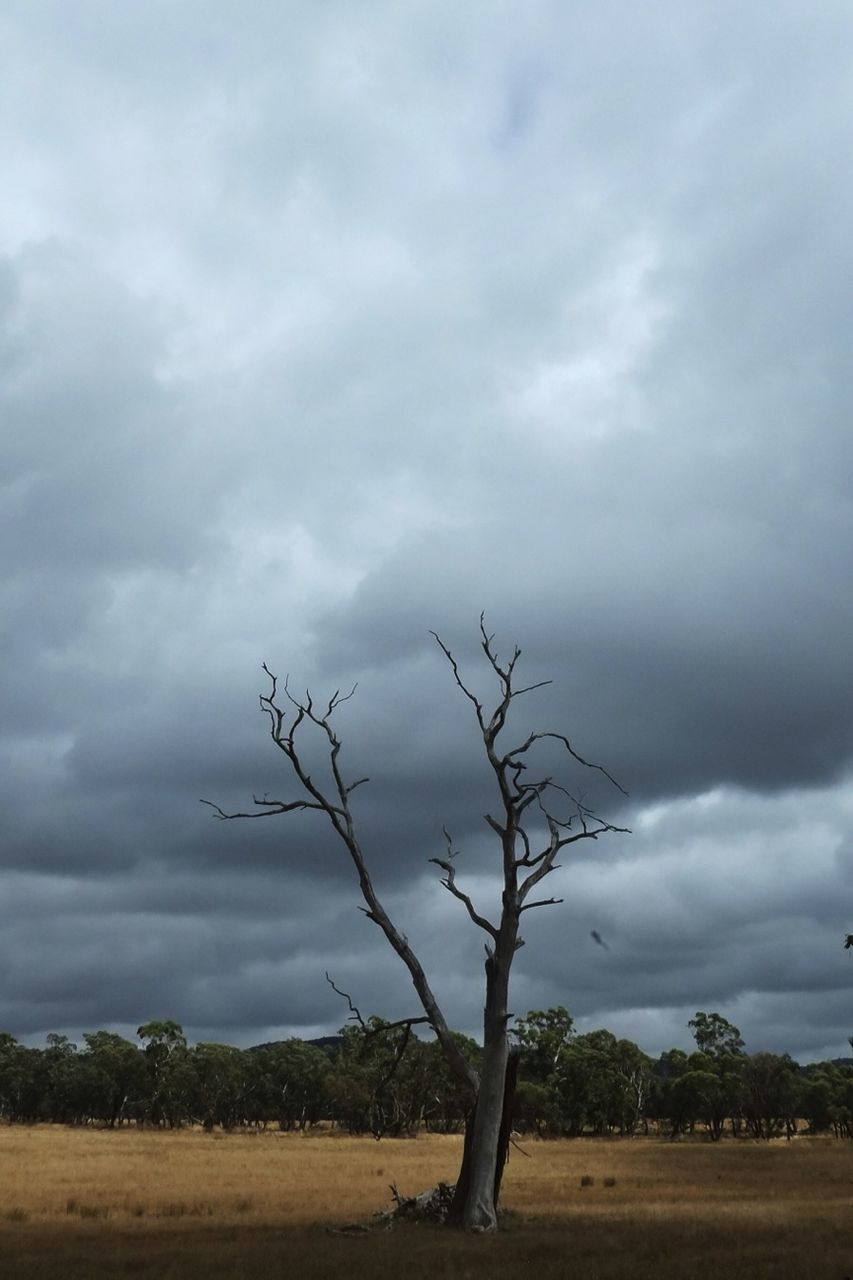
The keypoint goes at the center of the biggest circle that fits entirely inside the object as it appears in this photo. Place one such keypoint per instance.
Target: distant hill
(327, 1043)
(810, 1067)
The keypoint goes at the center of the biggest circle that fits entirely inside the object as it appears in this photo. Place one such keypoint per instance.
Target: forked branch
(511, 758)
(449, 882)
(334, 801)
(355, 1015)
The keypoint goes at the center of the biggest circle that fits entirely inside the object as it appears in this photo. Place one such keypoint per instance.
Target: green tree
(542, 1034)
(715, 1035)
(818, 1097)
(701, 1088)
(826, 1098)
(380, 1079)
(170, 1076)
(602, 1083)
(772, 1094)
(448, 1101)
(114, 1074)
(538, 1108)
(292, 1083)
(219, 1085)
(61, 1091)
(17, 1077)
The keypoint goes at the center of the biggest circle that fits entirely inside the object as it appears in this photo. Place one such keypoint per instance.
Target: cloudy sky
(326, 324)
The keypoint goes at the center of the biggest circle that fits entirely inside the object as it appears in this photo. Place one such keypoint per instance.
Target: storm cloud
(323, 328)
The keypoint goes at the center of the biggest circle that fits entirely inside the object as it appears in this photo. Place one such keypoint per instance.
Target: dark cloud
(322, 330)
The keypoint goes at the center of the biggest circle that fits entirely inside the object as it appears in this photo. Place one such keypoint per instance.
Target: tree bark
(456, 1213)
(506, 1119)
(480, 1213)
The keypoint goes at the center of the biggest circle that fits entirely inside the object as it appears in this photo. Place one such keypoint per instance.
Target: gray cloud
(320, 330)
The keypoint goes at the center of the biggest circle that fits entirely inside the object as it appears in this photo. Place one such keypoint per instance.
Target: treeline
(594, 1083)
(379, 1078)
(370, 1079)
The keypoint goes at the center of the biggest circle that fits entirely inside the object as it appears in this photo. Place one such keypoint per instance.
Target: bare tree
(535, 819)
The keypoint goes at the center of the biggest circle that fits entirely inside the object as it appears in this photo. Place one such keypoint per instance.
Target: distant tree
(114, 1077)
(377, 1083)
(633, 1069)
(220, 1084)
(448, 1102)
(842, 1102)
(60, 1087)
(18, 1096)
(715, 1035)
(602, 1084)
(697, 1097)
(818, 1097)
(537, 1109)
(170, 1074)
(542, 1034)
(291, 1083)
(535, 819)
(773, 1094)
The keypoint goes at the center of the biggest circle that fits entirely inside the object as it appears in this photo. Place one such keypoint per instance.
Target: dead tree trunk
(462, 1190)
(526, 808)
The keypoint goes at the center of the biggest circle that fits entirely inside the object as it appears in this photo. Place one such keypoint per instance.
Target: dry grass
(80, 1203)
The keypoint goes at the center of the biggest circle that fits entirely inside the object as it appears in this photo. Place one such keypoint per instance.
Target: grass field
(86, 1203)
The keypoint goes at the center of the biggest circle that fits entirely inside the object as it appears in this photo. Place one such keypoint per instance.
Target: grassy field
(84, 1203)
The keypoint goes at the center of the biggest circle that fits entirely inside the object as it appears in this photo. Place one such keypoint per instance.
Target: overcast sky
(325, 324)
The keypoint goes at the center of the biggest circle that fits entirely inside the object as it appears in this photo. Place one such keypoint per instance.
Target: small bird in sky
(596, 937)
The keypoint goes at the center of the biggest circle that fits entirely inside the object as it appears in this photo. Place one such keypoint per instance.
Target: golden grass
(84, 1203)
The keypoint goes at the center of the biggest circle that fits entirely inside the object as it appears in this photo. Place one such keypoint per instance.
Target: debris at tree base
(432, 1205)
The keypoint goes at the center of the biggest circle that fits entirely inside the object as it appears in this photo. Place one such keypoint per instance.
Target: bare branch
(340, 816)
(486, 638)
(478, 706)
(498, 719)
(582, 813)
(545, 867)
(592, 833)
(421, 1019)
(530, 792)
(528, 688)
(543, 902)
(449, 882)
(531, 859)
(561, 737)
(271, 808)
(337, 698)
(354, 1014)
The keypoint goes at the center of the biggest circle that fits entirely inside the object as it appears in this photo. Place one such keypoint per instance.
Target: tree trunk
(488, 1128)
(479, 1213)
(456, 1214)
(506, 1119)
